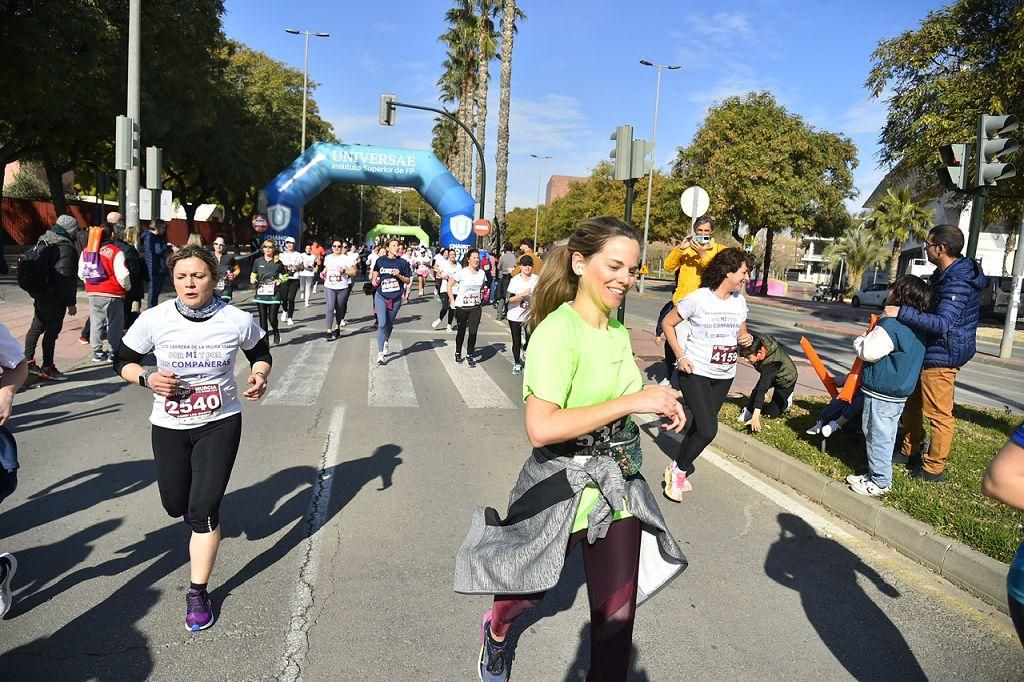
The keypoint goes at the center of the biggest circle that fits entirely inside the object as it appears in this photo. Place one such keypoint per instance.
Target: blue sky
(576, 73)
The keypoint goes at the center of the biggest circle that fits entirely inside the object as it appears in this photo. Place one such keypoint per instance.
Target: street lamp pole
(305, 78)
(536, 211)
(654, 141)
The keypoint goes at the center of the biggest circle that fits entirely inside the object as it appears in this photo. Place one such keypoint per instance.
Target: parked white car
(871, 295)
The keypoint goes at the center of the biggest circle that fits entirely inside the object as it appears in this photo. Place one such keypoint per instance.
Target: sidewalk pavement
(16, 314)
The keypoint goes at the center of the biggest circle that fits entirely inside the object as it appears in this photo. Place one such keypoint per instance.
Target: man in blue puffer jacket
(951, 325)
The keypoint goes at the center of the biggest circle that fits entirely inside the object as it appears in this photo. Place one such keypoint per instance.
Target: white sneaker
(830, 428)
(449, 328)
(386, 349)
(866, 487)
(291, 322)
(342, 323)
(664, 382)
(856, 478)
(744, 416)
(307, 304)
(814, 430)
(789, 402)
(380, 358)
(435, 324)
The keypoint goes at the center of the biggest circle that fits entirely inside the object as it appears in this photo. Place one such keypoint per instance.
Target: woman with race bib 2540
(197, 412)
(705, 348)
(391, 274)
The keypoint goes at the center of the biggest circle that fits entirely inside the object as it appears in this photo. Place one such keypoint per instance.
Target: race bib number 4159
(724, 355)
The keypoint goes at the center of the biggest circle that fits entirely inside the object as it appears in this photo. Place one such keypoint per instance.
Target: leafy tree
(767, 168)
(964, 60)
(860, 249)
(27, 184)
(509, 16)
(897, 218)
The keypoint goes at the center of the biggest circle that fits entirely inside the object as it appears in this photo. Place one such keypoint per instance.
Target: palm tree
(486, 48)
(510, 15)
(897, 218)
(461, 68)
(445, 135)
(860, 250)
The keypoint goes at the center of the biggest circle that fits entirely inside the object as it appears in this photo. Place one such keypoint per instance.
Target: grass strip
(956, 509)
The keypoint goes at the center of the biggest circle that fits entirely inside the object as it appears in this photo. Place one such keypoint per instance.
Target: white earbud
(579, 271)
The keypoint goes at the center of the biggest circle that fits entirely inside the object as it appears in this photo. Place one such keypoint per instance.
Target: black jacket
(63, 288)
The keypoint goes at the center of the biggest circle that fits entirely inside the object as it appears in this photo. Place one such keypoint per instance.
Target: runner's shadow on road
(580, 667)
(22, 422)
(558, 599)
(418, 347)
(847, 619)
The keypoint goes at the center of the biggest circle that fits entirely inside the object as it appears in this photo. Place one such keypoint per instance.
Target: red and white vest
(110, 286)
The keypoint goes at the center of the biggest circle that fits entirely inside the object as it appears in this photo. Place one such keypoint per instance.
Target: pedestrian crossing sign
(644, 270)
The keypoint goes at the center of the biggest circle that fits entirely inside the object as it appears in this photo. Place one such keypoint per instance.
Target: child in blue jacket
(893, 354)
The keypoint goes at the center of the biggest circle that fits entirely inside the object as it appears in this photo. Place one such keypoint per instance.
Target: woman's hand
(684, 365)
(258, 386)
(163, 384)
(664, 402)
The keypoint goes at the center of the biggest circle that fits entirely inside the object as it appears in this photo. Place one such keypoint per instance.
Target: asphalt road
(977, 384)
(351, 494)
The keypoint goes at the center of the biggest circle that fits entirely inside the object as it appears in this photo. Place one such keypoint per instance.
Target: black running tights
(518, 345)
(468, 320)
(612, 566)
(193, 467)
(702, 400)
(268, 315)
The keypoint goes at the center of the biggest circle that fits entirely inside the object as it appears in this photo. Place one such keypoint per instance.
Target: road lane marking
(301, 383)
(297, 636)
(390, 385)
(477, 388)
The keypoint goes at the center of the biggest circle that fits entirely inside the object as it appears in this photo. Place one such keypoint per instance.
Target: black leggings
(268, 315)
(467, 318)
(193, 467)
(517, 339)
(289, 290)
(702, 400)
(612, 566)
(446, 308)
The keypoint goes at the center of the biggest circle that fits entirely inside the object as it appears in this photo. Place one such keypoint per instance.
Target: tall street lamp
(536, 211)
(305, 77)
(654, 141)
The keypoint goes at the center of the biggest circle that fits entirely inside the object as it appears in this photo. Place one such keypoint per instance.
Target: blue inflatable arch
(356, 164)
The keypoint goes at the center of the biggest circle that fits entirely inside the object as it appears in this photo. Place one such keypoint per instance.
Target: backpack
(35, 268)
(93, 271)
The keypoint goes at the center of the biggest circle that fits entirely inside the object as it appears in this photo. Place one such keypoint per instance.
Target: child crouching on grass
(893, 354)
(775, 370)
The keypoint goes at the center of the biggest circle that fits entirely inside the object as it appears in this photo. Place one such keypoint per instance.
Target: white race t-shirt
(714, 328)
(518, 311)
(439, 261)
(335, 267)
(12, 352)
(292, 261)
(467, 287)
(308, 263)
(201, 355)
(448, 269)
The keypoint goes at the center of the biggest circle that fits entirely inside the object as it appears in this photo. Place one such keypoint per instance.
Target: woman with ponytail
(582, 484)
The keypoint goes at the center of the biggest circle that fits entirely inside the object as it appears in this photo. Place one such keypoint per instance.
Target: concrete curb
(971, 570)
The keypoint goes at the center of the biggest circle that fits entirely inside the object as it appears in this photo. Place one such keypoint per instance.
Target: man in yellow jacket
(688, 261)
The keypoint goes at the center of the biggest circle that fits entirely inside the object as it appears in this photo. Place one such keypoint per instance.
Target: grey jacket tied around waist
(525, 552)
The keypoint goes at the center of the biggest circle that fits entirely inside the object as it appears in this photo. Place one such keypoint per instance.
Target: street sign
(260, 223)
(146, 205)
(644, 270)
(695, 202)
(482, 227)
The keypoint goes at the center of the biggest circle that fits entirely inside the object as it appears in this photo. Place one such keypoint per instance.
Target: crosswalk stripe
(390, 385)
(301, 383)
(477, 388)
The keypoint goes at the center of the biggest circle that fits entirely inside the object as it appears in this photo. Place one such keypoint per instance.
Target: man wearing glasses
(952, 326)
(228, 267)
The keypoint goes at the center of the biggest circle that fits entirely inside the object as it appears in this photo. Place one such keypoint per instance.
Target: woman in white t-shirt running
(339, 268)
(306, 275)
(197, 411)
(465, 293)
(445, 269)
(519, 290)
(716, 317)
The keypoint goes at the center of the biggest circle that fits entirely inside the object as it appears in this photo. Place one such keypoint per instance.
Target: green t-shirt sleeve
(551, 360)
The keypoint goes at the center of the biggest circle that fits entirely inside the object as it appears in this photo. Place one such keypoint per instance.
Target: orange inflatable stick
(819, 366)
(95, 237)
(853, 379)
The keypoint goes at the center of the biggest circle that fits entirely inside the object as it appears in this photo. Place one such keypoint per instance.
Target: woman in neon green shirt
(581, 386)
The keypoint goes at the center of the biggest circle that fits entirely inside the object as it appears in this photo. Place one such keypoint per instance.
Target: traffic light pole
(977, 221)
(628, 217)
(1013, 305)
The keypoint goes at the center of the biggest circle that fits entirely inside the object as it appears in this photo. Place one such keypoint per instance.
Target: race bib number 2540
(201, 400)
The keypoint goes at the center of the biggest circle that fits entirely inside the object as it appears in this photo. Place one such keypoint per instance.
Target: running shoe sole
(202, 627)
(8, 601)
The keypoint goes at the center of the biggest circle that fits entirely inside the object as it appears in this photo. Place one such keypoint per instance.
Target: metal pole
(361, 213)
(650, 177)
(133, 180)
(1013, 305)
(628, 217)
(305, 83)
(536, 211)
(977, 221)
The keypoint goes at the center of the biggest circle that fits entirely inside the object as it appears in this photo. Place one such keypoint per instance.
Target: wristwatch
(144, 379)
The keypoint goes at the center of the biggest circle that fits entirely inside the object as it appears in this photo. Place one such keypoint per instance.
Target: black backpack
(36, 268)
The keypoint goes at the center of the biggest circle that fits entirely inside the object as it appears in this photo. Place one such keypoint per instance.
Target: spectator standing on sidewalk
(107, 282)
(138, 273)
(155, 251)
(951, 323)
(57, 296)
(688, 261)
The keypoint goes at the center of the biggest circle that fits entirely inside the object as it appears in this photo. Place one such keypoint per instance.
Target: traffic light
(992, 149)
(953, 173)
(387, 109)
(642, 158)
(623, 152)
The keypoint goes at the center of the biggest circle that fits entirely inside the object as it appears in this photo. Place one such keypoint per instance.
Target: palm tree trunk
(508, 31)
(894, 262)
(483, 75)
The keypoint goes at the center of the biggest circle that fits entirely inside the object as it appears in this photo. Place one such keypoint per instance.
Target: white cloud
(352, 126)
(863, 118)
(552, 123)
(722, 28)
(739, 79)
